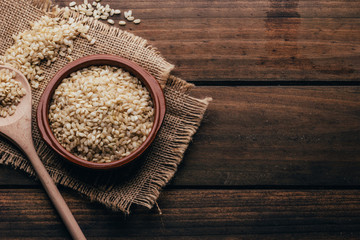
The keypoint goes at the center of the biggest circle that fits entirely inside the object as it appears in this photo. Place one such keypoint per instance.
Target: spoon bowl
(23, 107)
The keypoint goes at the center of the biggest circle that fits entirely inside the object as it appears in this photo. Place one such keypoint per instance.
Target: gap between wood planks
(273, 83)
(36, 185)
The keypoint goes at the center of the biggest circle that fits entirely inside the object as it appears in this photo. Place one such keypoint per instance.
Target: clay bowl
(149, 82)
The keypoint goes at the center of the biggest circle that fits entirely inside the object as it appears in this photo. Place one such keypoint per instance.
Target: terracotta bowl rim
(148, 80)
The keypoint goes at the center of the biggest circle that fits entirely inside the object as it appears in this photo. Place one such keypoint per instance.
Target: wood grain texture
(276, 136)
(231, 41)
(283, 139)
(273, 136)
(202, 214)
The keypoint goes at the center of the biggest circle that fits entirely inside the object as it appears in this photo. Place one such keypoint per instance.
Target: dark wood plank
(252, 40)
(199, 214)
(276, 136)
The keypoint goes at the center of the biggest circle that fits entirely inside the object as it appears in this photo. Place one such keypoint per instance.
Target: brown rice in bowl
(101, 113)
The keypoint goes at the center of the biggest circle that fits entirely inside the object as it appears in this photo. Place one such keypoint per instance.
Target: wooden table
(278, 153)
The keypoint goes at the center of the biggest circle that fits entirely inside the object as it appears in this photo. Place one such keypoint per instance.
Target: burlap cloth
(139, 183)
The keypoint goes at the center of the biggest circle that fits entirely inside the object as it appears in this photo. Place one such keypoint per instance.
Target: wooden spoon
(17, 128)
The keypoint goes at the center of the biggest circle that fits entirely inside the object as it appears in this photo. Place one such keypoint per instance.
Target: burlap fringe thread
(43, 5)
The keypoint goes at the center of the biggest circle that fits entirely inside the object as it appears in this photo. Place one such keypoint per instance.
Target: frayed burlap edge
(195, 109)
(163, 66)
(43, 5)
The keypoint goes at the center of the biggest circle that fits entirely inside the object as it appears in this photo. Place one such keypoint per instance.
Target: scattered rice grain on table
(99, 11)
(101, 113)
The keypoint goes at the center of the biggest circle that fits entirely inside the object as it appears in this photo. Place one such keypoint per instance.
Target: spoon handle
(54, 193)
(20, 134)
